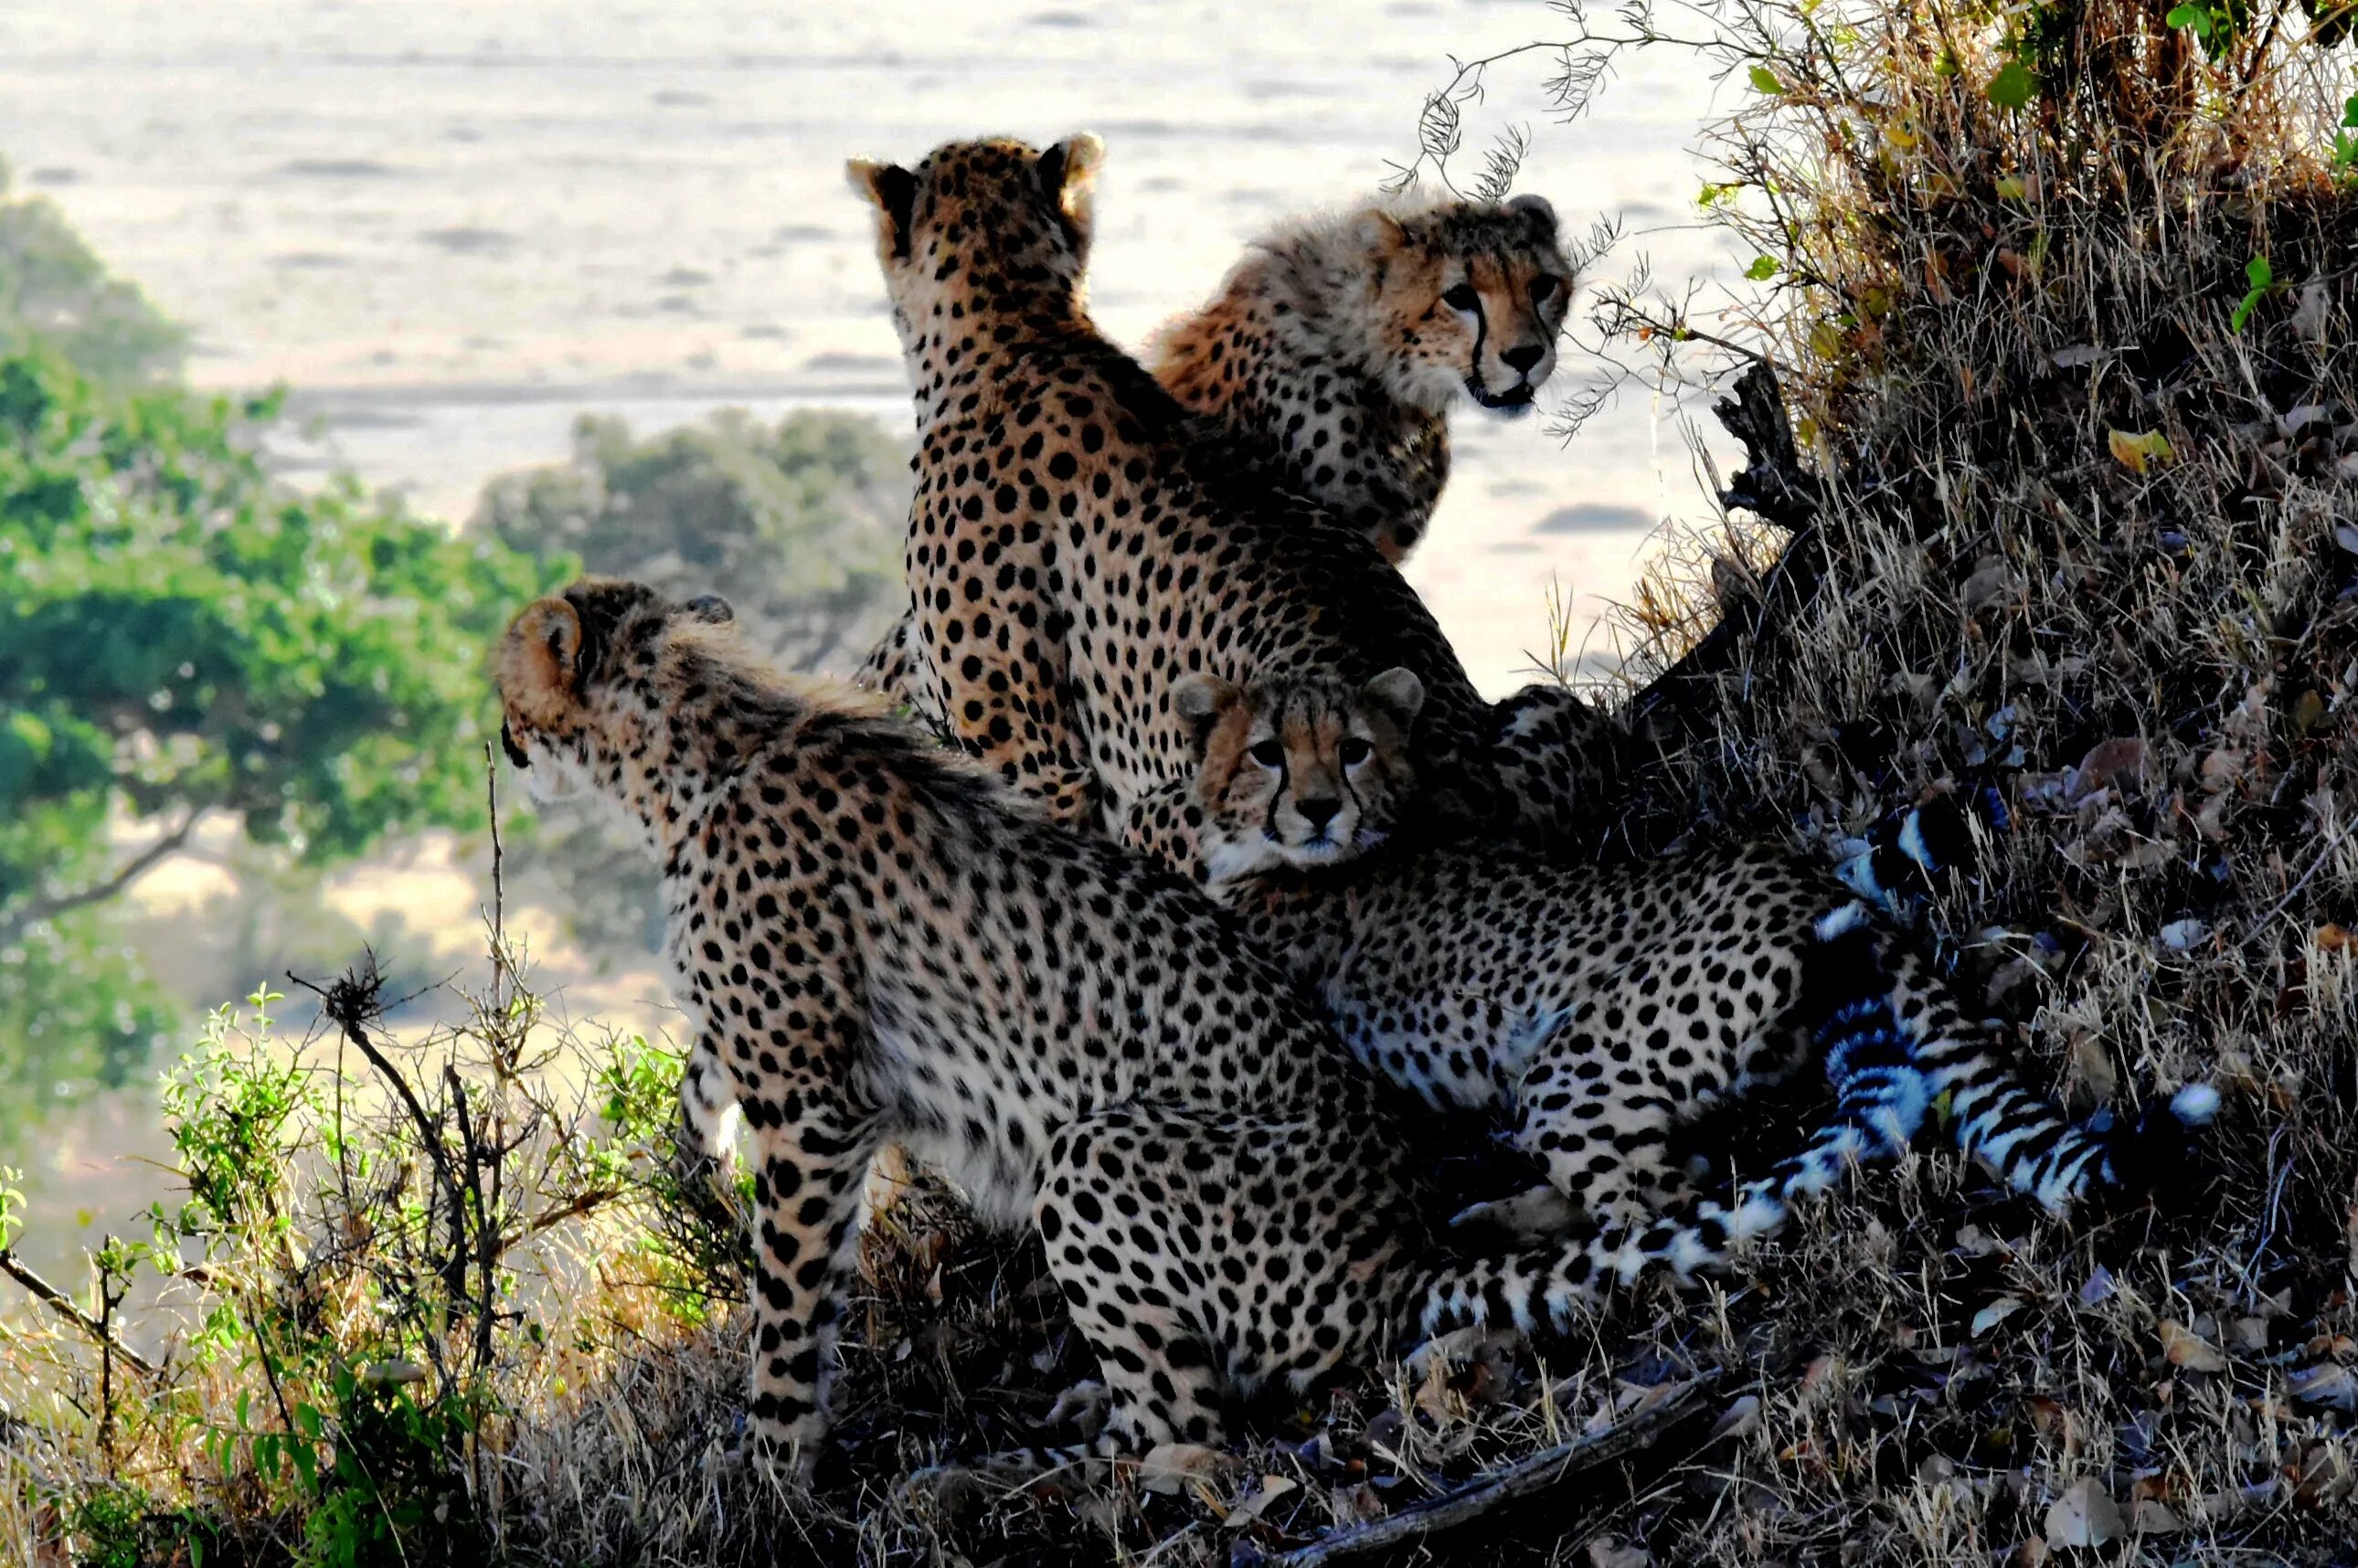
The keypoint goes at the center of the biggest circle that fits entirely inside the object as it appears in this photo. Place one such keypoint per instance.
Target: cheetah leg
(1132, 1271)
(896, 668)
(1006, 703)
(807, 1197)
(1165, 823)
(1602, 1130)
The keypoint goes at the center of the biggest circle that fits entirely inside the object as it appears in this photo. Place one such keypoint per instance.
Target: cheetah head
(983, 226)
(1304, 772)
(1469, 299)
(582, 708)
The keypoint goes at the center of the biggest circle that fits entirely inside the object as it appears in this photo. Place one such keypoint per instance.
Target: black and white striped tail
(1910, 852)
(1886, 1072)
(2020, 1134)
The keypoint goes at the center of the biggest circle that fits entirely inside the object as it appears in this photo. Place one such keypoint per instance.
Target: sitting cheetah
(1333, 351)
(1597, 1007)
(1331, 354)
(1075, 546)
(875, 940)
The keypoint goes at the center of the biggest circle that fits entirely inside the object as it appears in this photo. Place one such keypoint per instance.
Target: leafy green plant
(2261, 279)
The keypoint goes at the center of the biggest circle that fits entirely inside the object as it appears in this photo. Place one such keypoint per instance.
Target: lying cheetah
(876, 941)
(1595, 1007)
(1331, 355)
(1074, 546)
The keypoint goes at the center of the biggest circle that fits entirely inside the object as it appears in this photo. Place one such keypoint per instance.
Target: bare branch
(138, 866)
(65, 1306)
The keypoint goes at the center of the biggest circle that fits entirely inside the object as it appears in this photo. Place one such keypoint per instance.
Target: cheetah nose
(1525, 357)
(1319, 812)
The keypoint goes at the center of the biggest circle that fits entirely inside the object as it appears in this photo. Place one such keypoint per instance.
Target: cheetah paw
(1536, 1213)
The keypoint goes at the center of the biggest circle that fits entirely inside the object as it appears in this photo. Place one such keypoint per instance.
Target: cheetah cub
(1334, 351)
(1597, 1006)
(876, 941)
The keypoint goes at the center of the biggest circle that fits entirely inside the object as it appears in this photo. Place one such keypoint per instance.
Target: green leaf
(2350, 113)
(2197, 17)
(1765, 81)
(1762, 268)
(2257, 273)
(2013, 86)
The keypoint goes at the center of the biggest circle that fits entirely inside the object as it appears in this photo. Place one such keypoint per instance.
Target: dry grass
(2083, 538)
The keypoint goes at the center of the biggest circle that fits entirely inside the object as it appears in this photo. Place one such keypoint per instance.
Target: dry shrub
(2075, 393)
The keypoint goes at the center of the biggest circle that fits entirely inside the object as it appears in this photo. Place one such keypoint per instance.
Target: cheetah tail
(1549, 1286)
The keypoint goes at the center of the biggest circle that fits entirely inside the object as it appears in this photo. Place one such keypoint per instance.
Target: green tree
(185, 641)
(55, 290)
(798, 524)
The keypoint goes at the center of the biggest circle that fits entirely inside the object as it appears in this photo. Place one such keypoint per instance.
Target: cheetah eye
(1544, 289)
(1354, 751)
(1460, 298)
(1269, 753)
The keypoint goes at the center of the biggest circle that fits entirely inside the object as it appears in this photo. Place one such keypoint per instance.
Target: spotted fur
(1597, 1006)
(1075, 546)
(875, 942)
(1334, 351)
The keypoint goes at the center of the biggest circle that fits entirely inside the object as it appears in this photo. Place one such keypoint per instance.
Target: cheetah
(875, 939)
(1331, 355)
(1334, 350)
(1596, 1007)
(1074, 544)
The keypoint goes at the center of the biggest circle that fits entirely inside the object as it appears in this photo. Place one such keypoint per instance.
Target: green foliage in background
(798, 524)
(184, 641)
(54, 290)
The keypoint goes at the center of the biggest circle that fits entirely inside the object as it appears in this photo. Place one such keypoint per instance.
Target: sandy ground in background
(453, 227)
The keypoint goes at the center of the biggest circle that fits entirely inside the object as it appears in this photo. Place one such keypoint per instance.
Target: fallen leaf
(1997, 1312)
(2330, 1385)
(1608, 1553)
(2154, 1519)
(2113, 764)
(1169, 1466)
(2086, 1515)
(2139, 451)
(2181, 1347)
(2332, 939)
(1252, 1508)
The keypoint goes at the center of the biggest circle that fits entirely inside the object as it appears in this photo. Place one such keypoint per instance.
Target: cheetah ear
(1379, 233)
(1069, 176)
(1199, 700)
(894, 190)
(1398, 693)
(540, 662)
(709, 608)
(1536, 210)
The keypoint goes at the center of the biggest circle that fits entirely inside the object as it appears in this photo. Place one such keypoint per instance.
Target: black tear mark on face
(516, 753)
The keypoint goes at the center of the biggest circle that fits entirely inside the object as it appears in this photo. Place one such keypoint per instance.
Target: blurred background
(331, 331)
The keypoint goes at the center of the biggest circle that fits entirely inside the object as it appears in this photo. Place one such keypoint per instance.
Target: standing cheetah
(1597, 1007)
(876, 941)
(1330, 357)
(1074, 546)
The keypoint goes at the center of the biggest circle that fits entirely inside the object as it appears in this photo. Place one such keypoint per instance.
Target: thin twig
(1541, 1472)
(65, 1306)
